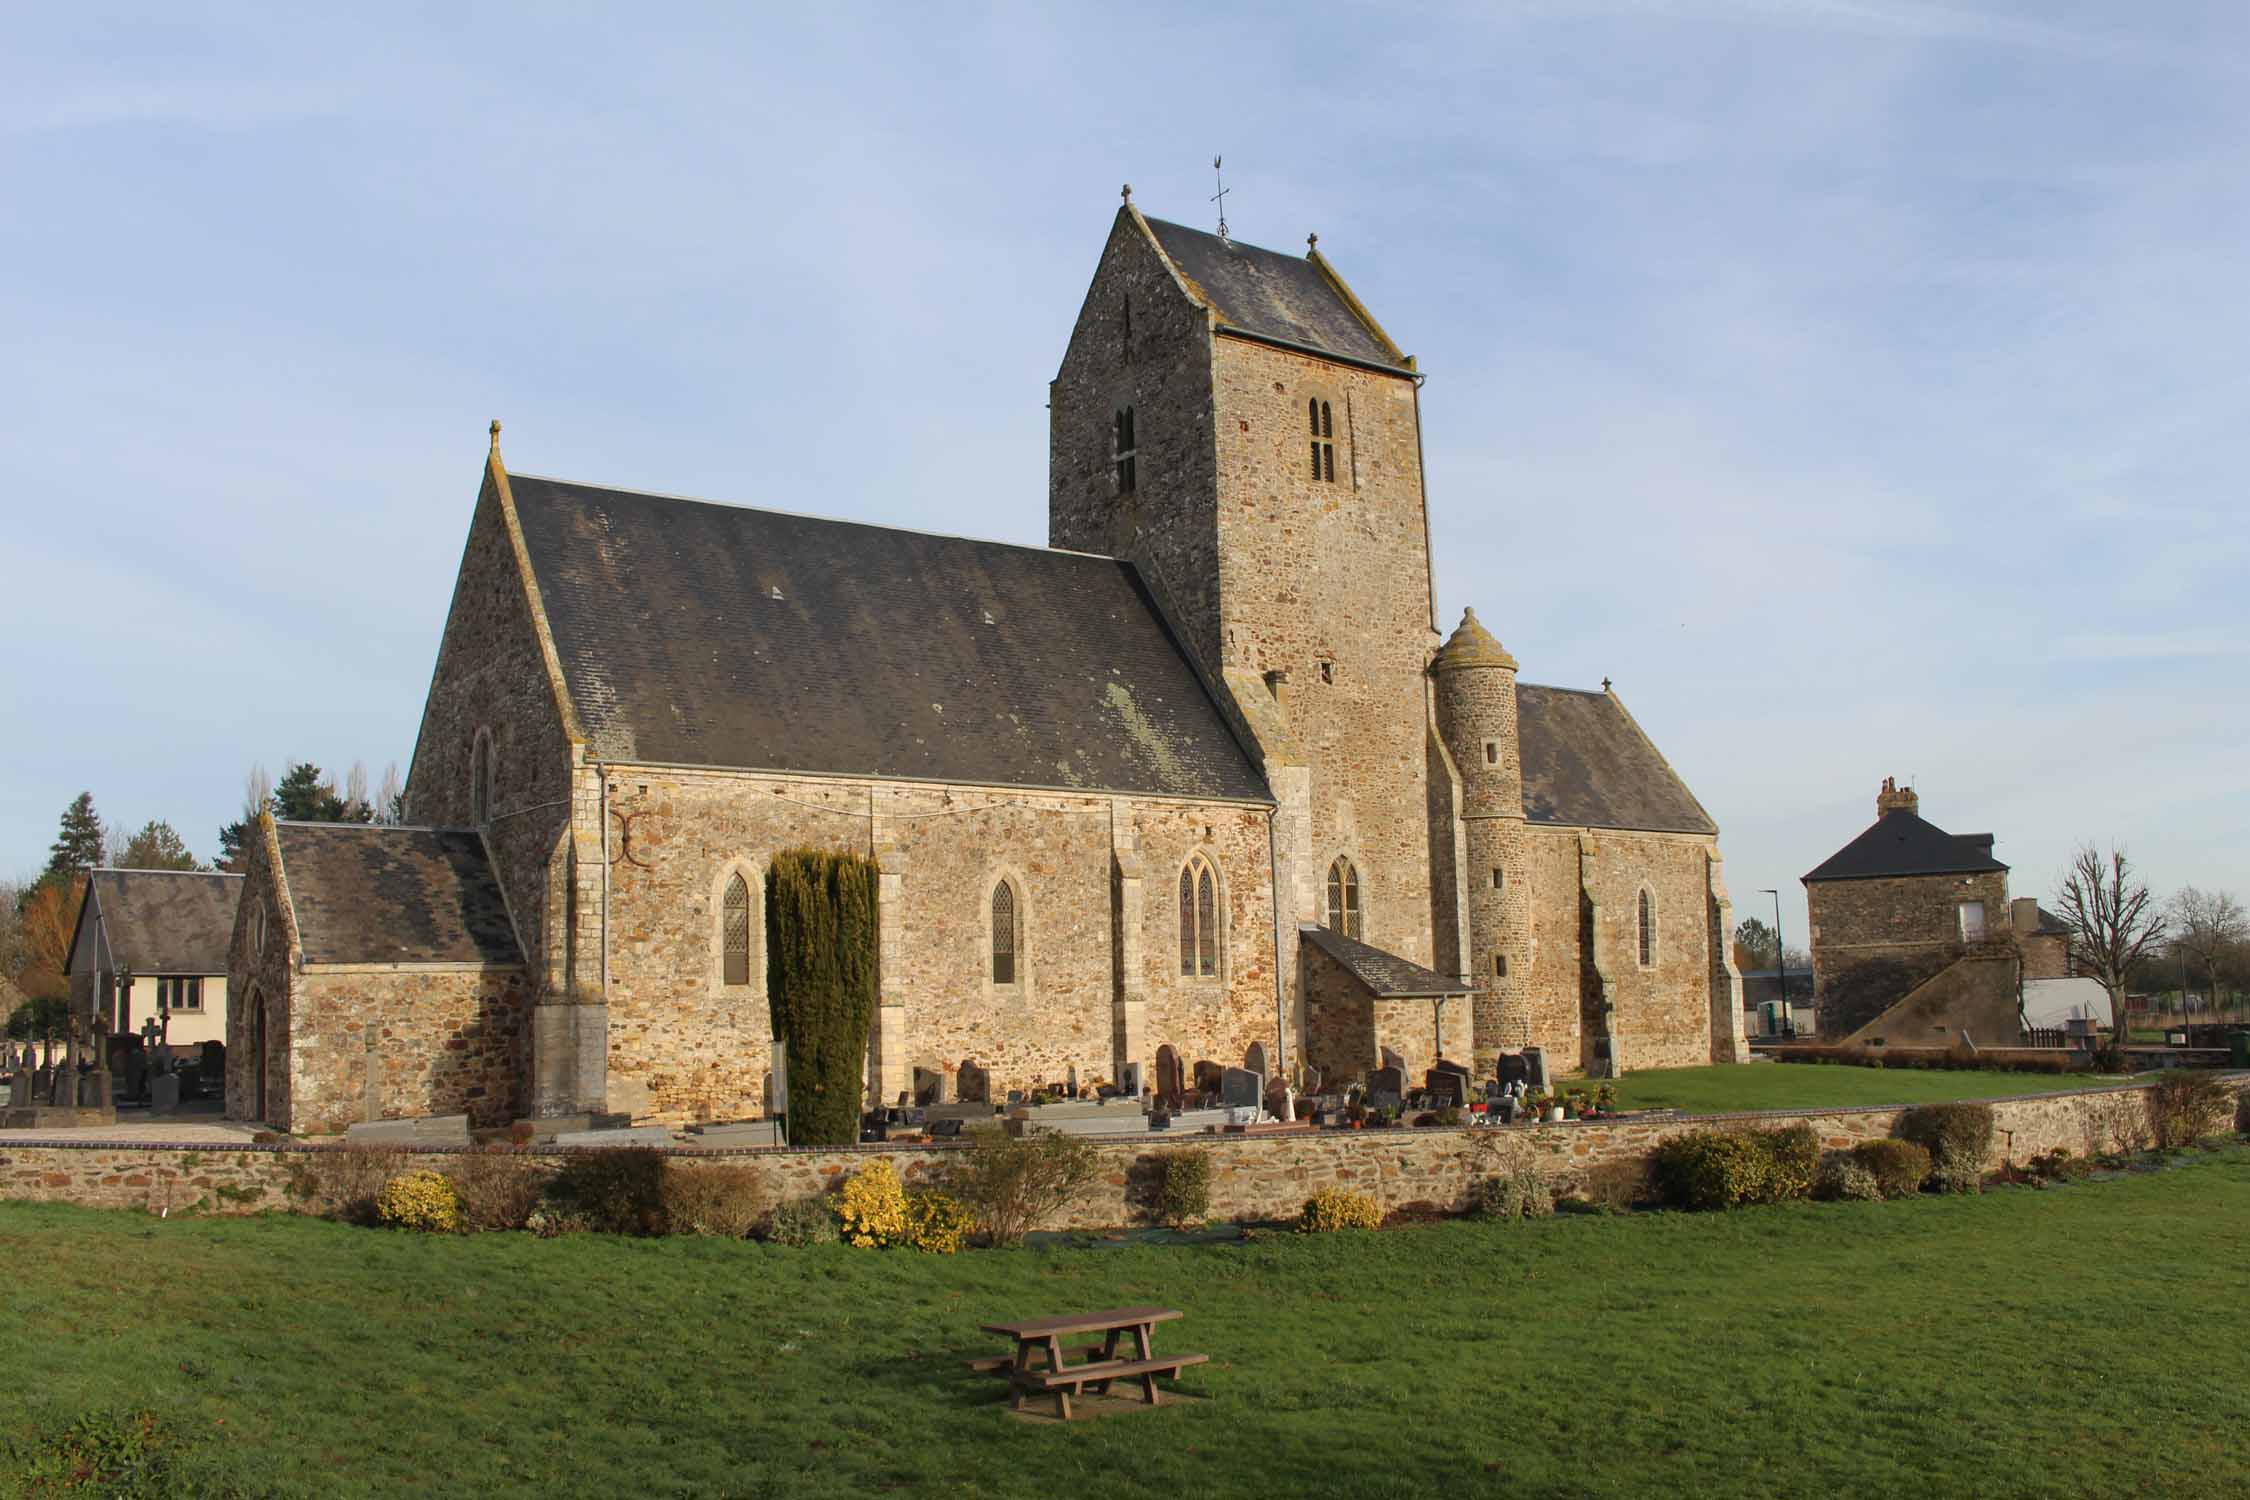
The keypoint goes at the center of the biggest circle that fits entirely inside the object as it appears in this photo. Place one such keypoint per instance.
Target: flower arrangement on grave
(873, 1207)
(1605, 1100)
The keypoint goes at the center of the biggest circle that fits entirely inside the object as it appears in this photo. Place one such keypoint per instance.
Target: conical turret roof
(1473, 646)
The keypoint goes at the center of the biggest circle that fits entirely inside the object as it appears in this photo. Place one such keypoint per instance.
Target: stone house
(1913, 939)
(152, 945)
(379, 975)
(1200, 774)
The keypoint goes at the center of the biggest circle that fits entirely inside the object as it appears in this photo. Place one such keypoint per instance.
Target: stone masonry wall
(1875, 940)
(400, 1042)
(261, 974)
(1253, 1177)
(684, 1046)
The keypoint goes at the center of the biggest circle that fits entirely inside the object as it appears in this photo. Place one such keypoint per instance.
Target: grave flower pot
(1554, 1114)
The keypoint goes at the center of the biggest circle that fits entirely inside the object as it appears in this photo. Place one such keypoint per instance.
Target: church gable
(1586, 764)
(1288, 299)
(698, 634)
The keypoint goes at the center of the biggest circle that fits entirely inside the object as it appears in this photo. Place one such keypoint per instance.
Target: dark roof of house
(1386, 974)
(1586, 764)
(162, 921)
(2050, 925)
(692, 633)
(1901, 842)
(1277, 296)
(370, 894)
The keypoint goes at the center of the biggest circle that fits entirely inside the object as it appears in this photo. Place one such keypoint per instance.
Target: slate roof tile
(1278, 296)
(1386, 974)
(1902, 842)
(163, 921)
(1586, 764)
(371, 894)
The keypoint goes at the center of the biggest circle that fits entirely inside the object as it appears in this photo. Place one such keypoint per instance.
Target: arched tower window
(1127, 450)
(1343, 899)
(1199, 920)
(1003, 933)
(1648, 928)
(734, 933)
(1323, 440)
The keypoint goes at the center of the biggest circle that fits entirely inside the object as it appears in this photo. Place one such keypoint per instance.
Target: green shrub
(1332, 1209)
(937, 1223)
(2184, 1106)
(1900, 1167)
(820, 980)
(873, 1207)
(1957, 1136)
(720, 1199)
(1180, 1192)
(2058, 1165)
(1708, 1169)
(810, 1220)
(1843, 1178)
(1520, 1192)
(1015, 1183)
(612, 1190)
(1793, 1161)
(1957, 1177)
(419, 1200)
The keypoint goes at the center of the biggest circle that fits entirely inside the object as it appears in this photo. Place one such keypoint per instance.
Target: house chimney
(2023, 915)
(1893, 798)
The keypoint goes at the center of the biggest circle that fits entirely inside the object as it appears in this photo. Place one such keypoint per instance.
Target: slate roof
(161, 921)
(1901, 842)
(694, 633)
(1586, 764)
(369, 894)
(1388, 975)
(2050, 925)
(1278, 296)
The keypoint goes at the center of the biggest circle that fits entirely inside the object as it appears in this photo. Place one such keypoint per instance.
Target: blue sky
(1860, 384)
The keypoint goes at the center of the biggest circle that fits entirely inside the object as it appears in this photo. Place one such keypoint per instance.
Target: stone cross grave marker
(1130, 1082)
(1255, 1058)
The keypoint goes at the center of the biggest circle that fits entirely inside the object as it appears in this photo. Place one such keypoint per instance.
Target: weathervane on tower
(1220, 198)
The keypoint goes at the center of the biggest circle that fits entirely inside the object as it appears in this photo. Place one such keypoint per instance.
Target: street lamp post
(1781, 960)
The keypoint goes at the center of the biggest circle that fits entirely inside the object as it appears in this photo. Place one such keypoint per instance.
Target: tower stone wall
(1476, 714)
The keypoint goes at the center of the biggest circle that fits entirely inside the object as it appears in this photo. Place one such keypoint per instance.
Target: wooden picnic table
(1042, 1365)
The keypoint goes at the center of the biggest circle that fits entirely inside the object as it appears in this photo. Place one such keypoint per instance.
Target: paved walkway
(198, 1124)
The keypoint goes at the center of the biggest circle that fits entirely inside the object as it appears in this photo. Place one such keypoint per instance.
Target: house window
(1972, 921)
(1343, 899)
(1004, 933)
(734, 935)
(1648, 929)
(1128, 449)
(1323, 441)
(179, 992)
(1199, 920)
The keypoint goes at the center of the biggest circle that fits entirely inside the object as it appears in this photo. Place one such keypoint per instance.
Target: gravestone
(972, 1084)
(777, 1101)
(1210, 1078)
(1171, 1087)
(1535, 1069)
(1446, 1086)
(1387, 1080)
(1070, 1080)
(1312, 1079)
(929, 1086)
(1130, 1083)
(1393, 1060)
(163, 1093)
(1254, 1059)
(429, 1130)
(746, 1133)
(19, 1084)
(1277, 1101)
(1512, 1069)
(1239, 1088)
(648, 1135)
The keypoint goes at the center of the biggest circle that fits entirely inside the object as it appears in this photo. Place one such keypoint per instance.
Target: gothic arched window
(734, 933)
(1127, 450)
(1343, 899)
(1323, 441)
(1199, 920)
(1003, 933)
(1648, 928)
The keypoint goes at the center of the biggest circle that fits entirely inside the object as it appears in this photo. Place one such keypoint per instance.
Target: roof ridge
(139, 870)
(802, 515)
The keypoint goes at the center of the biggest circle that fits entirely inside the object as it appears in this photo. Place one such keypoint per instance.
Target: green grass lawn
(1784, 1085)
(2084, 1340)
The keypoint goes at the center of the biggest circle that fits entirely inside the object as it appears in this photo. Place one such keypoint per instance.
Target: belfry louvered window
(1199, 920)
(734, 933)
(1003, 934)
(1648, 929)
(1127, 449)
(1323, 441)
(1343, 899)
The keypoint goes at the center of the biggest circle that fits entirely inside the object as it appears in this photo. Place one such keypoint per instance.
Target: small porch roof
(1386, 975)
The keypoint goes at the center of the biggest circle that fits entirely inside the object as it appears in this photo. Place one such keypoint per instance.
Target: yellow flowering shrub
(420, 1200)
(1332, 1209)
(937, 1223)
(873, 1207)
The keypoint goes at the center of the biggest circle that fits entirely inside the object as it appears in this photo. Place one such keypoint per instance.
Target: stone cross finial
(495, 437)
(1312, 242)
(1605, 684)
(1127, 193)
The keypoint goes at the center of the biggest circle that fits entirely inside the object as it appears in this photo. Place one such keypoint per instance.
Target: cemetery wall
(1254, 1177)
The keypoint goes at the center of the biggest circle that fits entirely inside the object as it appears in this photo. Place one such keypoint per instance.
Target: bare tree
(2208, 926)
(357, 809)
(390, 799)
(2114, 921)
(257, 793)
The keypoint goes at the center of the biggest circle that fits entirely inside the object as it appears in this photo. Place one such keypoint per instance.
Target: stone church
(1203, 773)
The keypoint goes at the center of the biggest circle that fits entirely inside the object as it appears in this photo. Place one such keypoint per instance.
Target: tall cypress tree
(78, 847)
(820, 981)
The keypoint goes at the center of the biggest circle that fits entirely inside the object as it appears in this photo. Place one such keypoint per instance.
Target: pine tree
(157, 847)
(820, 980)
(78, 848)
(303, 797)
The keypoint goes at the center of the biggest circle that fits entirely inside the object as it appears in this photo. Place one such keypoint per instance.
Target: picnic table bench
(1043, 1366)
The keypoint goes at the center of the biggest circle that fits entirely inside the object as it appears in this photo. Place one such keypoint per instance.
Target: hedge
(820, 981)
